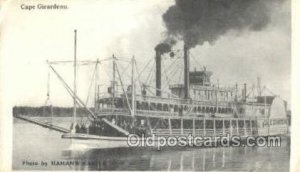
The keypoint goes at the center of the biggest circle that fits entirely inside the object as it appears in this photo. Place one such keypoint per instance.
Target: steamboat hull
(87, 142)
(250, 128)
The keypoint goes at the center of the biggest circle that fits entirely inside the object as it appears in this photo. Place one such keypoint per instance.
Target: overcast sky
(126, 28)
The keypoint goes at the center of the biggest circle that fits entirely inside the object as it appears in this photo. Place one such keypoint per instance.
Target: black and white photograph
(136, 85)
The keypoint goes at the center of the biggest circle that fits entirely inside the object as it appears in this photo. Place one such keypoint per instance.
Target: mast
(75, 78)
(158, 72)
(236, 92)
(48, 97)
(96, 86)
(259, 86)
(245, 93)
(186, 72)
(132, 87)
(265, 103)
(114, 80)
(217, 101)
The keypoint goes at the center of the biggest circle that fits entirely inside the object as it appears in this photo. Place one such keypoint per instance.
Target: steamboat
(197, 107)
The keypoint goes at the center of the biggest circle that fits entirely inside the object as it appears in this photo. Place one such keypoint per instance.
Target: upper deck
(159, 106)
(197, 96)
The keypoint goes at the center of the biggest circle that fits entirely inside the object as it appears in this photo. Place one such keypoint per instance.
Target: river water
(38, 148)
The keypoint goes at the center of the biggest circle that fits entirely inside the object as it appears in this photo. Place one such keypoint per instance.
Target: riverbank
(47, 111)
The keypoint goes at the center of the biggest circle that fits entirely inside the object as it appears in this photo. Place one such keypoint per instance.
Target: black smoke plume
(199, 21)
(165, 46)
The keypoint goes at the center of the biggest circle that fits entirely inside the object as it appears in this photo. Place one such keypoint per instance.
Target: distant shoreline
(45, 111)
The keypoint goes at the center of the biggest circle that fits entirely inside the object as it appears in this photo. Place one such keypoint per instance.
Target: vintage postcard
(136, 85)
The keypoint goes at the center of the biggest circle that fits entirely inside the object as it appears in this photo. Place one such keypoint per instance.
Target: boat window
(175, 123)
(187, 124)
(209, 124)
(219, 124)
(233, 123)
(199, 124)
(227, 123)
(241, 123)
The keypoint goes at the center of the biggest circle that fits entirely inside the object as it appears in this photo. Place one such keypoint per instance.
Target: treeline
(45, 111)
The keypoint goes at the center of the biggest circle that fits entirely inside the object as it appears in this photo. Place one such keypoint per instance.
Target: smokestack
(186, 71)
(160, 49)
(158, 72)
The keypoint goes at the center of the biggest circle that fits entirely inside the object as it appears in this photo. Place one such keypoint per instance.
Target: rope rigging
(148, 80)
(194, 58)
(127, 100)
(166, 70)
(93, 79)
(71, 92)
(174, 71)
(138, 79)
(48, 102)
(148, 63)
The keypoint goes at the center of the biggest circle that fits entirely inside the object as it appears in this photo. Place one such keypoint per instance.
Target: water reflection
(35, 143)
(220, 159)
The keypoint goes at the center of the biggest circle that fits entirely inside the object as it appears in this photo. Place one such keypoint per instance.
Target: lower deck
(142, 124)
